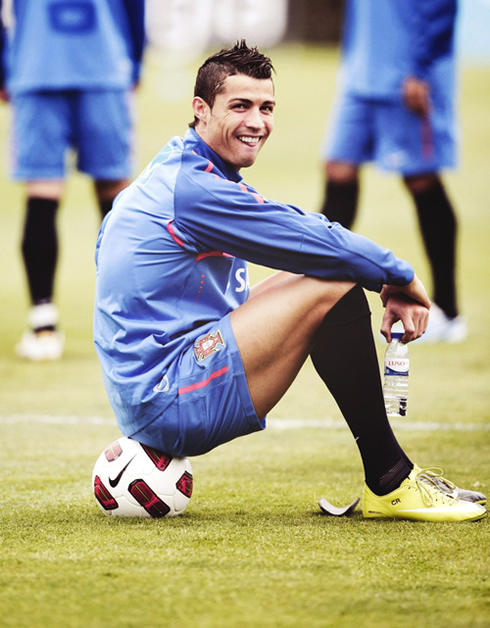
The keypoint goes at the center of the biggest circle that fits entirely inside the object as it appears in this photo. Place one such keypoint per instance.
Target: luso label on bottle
(396, 366)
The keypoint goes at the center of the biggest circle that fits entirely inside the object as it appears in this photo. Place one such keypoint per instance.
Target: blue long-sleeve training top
(172, 255)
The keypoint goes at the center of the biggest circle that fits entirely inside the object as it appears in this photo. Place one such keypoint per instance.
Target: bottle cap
(397, 330)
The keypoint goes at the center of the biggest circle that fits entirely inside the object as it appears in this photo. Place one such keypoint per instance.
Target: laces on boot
(427, 481)
(436, 475)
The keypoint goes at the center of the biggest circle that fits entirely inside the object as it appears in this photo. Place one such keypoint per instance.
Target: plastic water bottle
(397, 363)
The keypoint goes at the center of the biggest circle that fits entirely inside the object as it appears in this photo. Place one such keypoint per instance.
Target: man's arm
(135, 10)
(431, 29)
(217, 214)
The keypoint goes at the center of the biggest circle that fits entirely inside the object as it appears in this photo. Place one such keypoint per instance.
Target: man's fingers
(413, 315)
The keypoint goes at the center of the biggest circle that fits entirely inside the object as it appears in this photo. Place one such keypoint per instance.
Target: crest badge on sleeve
(207, 345)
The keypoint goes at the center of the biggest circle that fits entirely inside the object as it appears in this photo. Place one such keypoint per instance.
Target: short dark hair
(240, 59)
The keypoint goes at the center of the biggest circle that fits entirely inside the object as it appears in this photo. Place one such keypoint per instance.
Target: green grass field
(252, 549)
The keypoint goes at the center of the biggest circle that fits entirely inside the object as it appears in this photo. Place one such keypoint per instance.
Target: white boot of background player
(42, 341)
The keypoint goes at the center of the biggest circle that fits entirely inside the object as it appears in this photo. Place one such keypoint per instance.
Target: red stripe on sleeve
(256, 196)
(170, 229)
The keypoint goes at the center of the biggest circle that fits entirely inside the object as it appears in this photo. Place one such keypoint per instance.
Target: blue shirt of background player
(413, 38)
(72, 44)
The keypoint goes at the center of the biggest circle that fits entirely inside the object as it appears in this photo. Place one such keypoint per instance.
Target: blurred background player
(396, 108)
(68, 69)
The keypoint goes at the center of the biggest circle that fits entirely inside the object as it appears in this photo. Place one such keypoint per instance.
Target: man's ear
(201, 109)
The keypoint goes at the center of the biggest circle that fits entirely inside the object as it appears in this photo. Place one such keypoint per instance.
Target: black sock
(105, 207)
(345, 357)
(340, 203)
(40, 247)
(438, 226)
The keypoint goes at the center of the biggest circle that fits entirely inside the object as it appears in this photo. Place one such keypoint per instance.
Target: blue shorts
(385, 132)
(97, 125)
(213, 405)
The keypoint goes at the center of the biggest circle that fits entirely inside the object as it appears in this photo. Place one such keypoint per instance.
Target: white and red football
(133, 480)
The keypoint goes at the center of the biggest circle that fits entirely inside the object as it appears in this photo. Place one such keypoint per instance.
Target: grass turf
(252, 549)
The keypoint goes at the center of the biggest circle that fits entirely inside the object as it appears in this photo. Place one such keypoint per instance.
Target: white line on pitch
(272, 423)
(54, 419)
(399, 425)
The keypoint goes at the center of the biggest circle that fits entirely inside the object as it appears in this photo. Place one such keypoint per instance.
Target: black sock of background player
(40, 247)
(438, 226)
(345, 357)
(105, 207)
(340, 203)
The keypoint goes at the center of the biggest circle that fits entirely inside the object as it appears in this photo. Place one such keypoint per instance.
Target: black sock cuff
(38, 202)
(340, 202)
(40, 212)
(435, 189)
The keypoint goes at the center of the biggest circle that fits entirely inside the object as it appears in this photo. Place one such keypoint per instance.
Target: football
(133, 480)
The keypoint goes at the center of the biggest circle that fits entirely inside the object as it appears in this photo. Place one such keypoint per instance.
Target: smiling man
(240, 120)
(192, 357)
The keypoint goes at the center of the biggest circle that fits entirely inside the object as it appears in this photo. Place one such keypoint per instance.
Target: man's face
(240, 120)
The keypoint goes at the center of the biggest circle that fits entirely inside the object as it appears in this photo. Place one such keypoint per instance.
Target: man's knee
(108, 189)
(352, 305)
(340, 172)
(323, 296)
(420, 183)
(334, 291)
